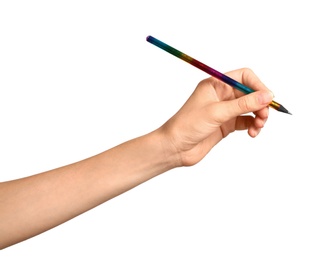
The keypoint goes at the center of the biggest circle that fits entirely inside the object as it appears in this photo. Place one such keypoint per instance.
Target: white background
(78, 77)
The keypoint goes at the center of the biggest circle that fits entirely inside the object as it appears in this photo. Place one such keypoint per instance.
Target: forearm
(37, 203)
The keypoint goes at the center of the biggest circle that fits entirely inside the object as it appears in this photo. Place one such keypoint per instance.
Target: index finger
(248, 78)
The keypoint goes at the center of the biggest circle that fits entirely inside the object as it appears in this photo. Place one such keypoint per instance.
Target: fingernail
(266, 97)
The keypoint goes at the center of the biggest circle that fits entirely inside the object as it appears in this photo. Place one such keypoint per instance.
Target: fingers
(255, 128)
(222, 104)
(256, 101)
(252, 124)
(249, 78)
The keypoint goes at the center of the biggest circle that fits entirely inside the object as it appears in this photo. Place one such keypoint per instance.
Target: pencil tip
(284, 110)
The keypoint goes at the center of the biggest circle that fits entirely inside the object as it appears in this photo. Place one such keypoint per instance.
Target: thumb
(246, 104)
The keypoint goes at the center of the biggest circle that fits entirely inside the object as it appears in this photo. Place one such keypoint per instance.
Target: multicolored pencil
(211, 71)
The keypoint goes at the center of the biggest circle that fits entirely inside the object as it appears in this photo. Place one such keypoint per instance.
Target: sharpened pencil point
(284, 110)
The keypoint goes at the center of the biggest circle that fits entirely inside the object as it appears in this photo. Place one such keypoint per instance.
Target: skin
(37, 203)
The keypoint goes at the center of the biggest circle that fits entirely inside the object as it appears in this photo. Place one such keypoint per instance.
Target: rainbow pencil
(211, 71)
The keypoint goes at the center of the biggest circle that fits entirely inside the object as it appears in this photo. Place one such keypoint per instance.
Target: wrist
(169, 153)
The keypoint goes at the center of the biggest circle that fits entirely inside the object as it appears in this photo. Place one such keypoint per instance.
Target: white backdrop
(78, 77)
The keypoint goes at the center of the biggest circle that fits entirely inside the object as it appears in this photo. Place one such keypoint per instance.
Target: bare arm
(32, 205)
(37, 203)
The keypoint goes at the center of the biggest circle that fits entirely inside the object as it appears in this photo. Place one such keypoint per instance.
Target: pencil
(224, 78)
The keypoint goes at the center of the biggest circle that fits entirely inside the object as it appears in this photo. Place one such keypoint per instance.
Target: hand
(213, 111)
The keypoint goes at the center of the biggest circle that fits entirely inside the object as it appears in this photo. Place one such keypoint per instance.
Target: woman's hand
(213, 111)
